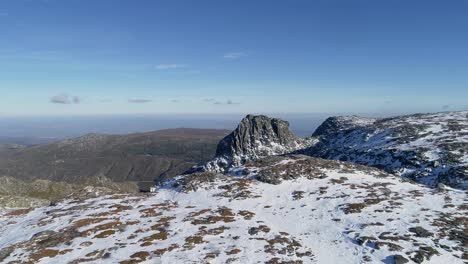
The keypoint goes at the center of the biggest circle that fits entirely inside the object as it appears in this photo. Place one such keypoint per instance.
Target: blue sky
(86, 57)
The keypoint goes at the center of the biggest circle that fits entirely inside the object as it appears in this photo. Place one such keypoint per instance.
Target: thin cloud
(59, 99)
(105, 101)
(76, 100)
(227, 102)
(235, 55)
(65, 99)
(175, 101)
(139, 101)
(445, 107)
(170, 66)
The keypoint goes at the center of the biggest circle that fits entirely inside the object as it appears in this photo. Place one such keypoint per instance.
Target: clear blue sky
(73, 57)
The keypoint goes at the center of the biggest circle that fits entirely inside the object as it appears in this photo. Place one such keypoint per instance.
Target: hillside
(428, 148)
(291, 209)
(134, 157)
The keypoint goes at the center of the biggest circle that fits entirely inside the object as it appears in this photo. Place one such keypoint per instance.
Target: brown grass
(233, 252)
(105, 234)
(160, 252)
(44, 253)
(246, 214)
(19, 212)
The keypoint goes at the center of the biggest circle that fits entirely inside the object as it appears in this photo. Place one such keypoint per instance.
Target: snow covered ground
(428, 148)
(318, 212)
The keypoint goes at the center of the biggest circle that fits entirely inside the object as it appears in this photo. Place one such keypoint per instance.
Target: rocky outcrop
(428, 148)
(337, 124)
(254, 138)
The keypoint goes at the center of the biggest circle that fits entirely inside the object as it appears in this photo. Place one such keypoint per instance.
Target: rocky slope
(288, 209)
(428, 148)
(18, 193)
(254, 138)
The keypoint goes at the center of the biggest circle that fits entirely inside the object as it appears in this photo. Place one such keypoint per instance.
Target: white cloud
(139, 101)
(217, 102)
(65, 99)
(76, 99)
(170, 66)
(235, 55)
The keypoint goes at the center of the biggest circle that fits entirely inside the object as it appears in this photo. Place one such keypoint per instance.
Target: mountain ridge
(133, 157)
(428, 148)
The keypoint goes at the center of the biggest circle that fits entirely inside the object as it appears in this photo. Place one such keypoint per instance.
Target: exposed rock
(427, 148)
(255, 137)
(420, 232)
(276, 169)
(47, 238)
(336, 124)
(424, 253)
(399, 259)
(10, 201)
(5, 252)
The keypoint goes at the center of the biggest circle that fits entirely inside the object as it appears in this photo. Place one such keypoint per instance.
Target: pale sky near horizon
(88, 57)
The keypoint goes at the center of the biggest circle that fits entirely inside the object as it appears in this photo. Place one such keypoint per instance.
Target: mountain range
(358, 190)
(130, 162)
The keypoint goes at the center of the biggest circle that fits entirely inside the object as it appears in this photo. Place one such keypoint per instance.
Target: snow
(317, 221)
(415, 143)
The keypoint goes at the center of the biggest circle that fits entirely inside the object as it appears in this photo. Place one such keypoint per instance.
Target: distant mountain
(25, 141)
(134, 157)
(428, 148)
(254, 138)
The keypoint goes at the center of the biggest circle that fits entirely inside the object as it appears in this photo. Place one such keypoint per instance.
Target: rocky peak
(337, 124)
(253, 134)
(256, 137)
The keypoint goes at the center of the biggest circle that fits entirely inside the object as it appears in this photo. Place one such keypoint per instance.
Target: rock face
(336, 124)
(428, 148)
(254, 138)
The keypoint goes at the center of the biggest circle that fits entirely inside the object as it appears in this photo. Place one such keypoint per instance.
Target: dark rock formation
(337, 124)
(399, 259)
(256, 137)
